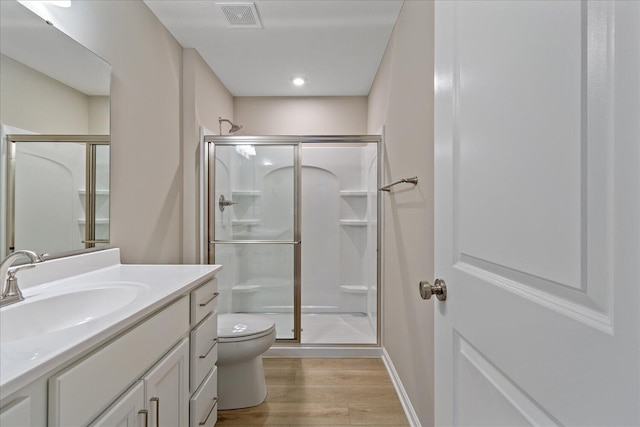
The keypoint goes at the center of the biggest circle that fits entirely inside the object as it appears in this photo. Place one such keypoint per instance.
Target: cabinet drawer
(203, 406)
(87, 387)
(203, 300)
(204, 349)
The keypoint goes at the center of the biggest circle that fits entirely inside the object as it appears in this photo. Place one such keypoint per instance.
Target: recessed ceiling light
(298, 81)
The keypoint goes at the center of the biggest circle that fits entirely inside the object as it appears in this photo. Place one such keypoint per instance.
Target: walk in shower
(293, 221)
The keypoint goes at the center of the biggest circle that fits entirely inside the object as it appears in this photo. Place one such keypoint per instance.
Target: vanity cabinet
(161, 395)
(204, 355)
(81, 392)
(16, 413)
(26, 407)
(167, 389)
(160, 372)
(126, 411)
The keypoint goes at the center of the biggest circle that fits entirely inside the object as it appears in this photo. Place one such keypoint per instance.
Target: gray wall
(323, 115)
(147, 156)
(402, 99)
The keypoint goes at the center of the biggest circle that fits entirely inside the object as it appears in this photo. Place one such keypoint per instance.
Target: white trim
(323, 351)
(381, 225)
(412, 417)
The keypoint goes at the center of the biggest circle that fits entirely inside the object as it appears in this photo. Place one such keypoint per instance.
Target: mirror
(55, 120)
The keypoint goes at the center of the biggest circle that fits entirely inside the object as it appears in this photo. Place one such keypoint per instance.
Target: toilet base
(241, 385)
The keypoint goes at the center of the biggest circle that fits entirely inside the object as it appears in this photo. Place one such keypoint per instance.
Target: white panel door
(538, 212)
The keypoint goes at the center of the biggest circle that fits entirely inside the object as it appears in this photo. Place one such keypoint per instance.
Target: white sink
(52, 312)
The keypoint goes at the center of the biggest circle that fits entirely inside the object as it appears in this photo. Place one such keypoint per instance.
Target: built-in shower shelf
(354, 289)
(353, 193)
(238, 193)
(354, 222)
(245, 222)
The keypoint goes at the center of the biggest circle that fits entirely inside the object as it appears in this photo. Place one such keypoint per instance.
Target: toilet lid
(233, 325)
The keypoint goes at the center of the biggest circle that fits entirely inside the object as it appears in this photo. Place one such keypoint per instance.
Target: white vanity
(99, 343)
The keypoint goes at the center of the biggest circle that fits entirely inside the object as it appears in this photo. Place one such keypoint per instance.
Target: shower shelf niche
(354, 208)
(250, 193)
(353, 193)
(354, 222)
(245, 222)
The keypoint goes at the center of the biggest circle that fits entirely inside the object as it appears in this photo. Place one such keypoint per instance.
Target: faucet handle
(13, 270)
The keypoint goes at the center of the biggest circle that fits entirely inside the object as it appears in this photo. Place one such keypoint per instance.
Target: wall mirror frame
(54, 93)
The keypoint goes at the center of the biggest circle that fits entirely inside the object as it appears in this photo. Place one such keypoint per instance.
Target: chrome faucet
(10, 291)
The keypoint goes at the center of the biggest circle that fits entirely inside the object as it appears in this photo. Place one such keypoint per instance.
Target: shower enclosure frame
(91, 143)
(295, 141)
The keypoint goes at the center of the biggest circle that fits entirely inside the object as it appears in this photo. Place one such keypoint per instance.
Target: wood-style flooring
(323, 392)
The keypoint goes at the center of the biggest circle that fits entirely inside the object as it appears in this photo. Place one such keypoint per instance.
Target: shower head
(234, 127)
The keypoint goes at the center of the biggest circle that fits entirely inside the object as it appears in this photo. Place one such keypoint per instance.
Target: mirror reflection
(54, 116)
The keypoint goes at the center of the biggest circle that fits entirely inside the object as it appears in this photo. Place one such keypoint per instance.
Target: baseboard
(412, 417)
(323, 351)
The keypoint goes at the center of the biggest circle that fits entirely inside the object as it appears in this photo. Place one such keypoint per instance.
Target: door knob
(439, 289)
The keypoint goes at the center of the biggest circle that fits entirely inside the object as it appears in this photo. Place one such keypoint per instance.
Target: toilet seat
(235, 327)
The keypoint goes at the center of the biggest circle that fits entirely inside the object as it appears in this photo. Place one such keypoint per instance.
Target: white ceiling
(336, 45)
(26, 38)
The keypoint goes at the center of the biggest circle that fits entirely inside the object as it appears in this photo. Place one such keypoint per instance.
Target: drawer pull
(154, 401)
(206, 303)
(215, 341)
(143, 418)
(214, 402)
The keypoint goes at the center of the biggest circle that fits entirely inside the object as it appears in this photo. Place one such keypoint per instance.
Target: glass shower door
(254, 232)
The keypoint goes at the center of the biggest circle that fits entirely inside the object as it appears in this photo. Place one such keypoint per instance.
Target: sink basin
(44, 313)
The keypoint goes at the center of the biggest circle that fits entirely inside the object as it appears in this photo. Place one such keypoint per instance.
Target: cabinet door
(124, 412)
(17, 413)
(167, 388)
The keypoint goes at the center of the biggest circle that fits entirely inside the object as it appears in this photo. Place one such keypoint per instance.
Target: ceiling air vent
(241, 15)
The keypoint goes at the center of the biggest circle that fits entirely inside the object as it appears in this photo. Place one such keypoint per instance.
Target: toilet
(242, 340)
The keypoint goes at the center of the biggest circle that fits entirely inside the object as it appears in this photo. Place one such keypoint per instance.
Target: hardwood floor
(323, 392)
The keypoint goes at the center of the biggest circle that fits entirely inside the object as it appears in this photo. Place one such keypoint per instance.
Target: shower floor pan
(328, 328)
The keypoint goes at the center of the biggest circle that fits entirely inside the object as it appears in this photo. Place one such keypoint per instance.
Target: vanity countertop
(145, 289)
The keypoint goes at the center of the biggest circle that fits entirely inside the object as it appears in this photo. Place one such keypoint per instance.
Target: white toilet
(242, 339)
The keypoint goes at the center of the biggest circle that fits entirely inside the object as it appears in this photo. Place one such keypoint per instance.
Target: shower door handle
(254, 242)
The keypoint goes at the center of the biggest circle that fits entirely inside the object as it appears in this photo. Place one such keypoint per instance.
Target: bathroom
(153, 76)
(154, 210)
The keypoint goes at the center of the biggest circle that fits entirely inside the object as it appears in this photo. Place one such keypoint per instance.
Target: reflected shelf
(245, 221)
(353, 193)
(240, 193)
(354, 222)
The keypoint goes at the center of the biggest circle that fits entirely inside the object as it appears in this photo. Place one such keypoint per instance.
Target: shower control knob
(223, 203)
(439, 289)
